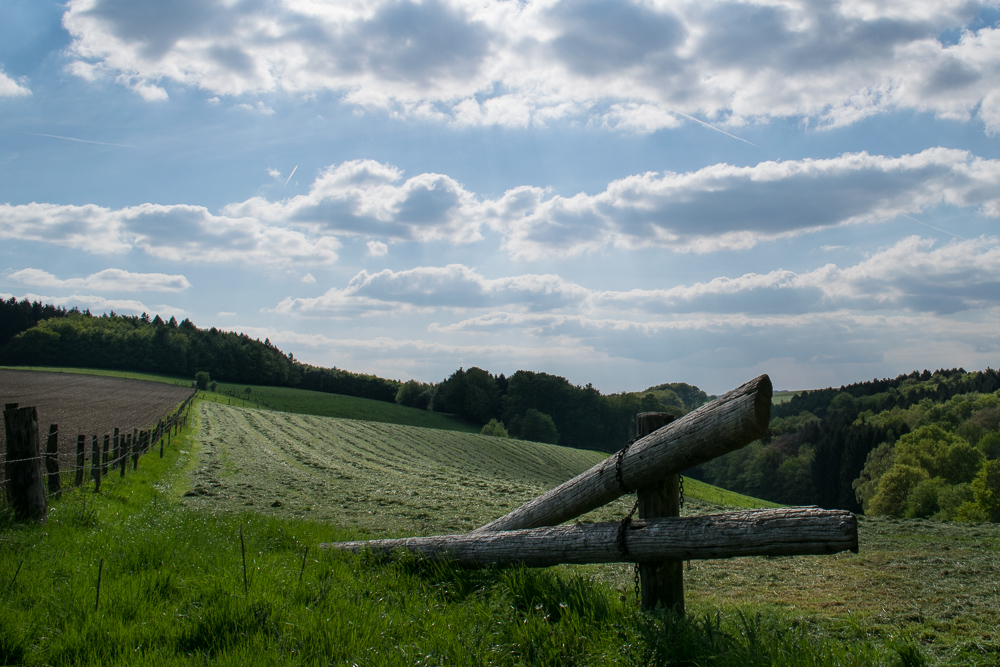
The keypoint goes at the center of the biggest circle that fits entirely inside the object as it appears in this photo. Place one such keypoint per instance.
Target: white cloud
(728, 207)
(627, 64)
(11, 88)
(109, 280)
(719, 207)
(430, 288)
(99, 304)
(911, 276)
(367, 198)
(178, 233)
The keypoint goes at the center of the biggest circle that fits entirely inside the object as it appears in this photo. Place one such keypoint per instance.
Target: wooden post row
(23, 464)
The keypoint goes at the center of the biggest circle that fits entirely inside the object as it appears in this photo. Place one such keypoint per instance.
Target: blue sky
(621, 193)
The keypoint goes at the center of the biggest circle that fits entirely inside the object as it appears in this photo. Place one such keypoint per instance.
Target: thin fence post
(23, 465)
(660, 582)
(126, 445)
(116, 447)
(136, 449)
(95, 463)
(81, 443)
(105, 454)
(52, 461)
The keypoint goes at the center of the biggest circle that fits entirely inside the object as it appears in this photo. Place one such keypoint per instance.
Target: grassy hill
(166, 548)
(385, 478)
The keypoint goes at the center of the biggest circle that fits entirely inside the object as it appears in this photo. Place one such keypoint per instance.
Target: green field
(302, 401)
(168, 544)
(172, 587)
(779, 397)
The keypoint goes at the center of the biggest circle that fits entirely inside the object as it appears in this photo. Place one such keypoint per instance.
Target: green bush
(495, 428)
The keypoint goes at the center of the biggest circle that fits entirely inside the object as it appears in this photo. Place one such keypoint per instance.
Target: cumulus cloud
(364, 197)
(173, 232)
(910, 276)
(718, 207)
(728, 207)
(636, 65)
(429, 288)
(377, 249)
(11, 88)
(116, 280)
(100, 304)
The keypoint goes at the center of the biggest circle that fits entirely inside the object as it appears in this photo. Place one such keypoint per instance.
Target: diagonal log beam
(772, 532)
(728, 423)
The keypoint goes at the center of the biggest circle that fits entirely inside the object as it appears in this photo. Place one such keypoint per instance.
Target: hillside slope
(385, 478)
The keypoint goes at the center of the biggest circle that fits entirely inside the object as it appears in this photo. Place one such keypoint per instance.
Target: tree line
(913, 445)
(548, 408)
(140, 343)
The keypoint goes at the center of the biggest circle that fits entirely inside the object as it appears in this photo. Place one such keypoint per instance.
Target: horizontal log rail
(728, 423)
(771, 532)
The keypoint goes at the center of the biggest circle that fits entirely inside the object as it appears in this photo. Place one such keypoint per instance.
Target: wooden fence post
(104, 455)
(660, 582)
(126, 443)
(116, 446)
(95, 463)
(136, 449)
(52, 461)
(23, 465)
(81, 442)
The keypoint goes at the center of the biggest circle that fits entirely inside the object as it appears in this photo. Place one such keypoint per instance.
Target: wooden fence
(659, 541)
(27, 468)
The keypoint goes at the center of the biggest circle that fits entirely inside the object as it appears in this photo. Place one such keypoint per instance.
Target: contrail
(712, 127)
(290, 176)
(937, 229)
(82, 141)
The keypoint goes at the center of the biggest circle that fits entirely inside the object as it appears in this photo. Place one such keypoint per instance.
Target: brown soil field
(86, 404)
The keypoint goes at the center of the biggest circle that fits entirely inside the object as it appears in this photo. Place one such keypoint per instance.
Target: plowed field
(86, 404)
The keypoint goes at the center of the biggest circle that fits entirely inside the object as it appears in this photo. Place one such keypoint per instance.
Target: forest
(922, 445)
(40, 335)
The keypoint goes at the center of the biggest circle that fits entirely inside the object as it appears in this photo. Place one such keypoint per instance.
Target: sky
(620, 192)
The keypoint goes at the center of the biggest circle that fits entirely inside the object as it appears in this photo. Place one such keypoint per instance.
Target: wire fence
(106, 454)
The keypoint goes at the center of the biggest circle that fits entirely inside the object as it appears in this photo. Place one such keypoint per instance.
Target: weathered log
(792, 531)
(730, 422)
